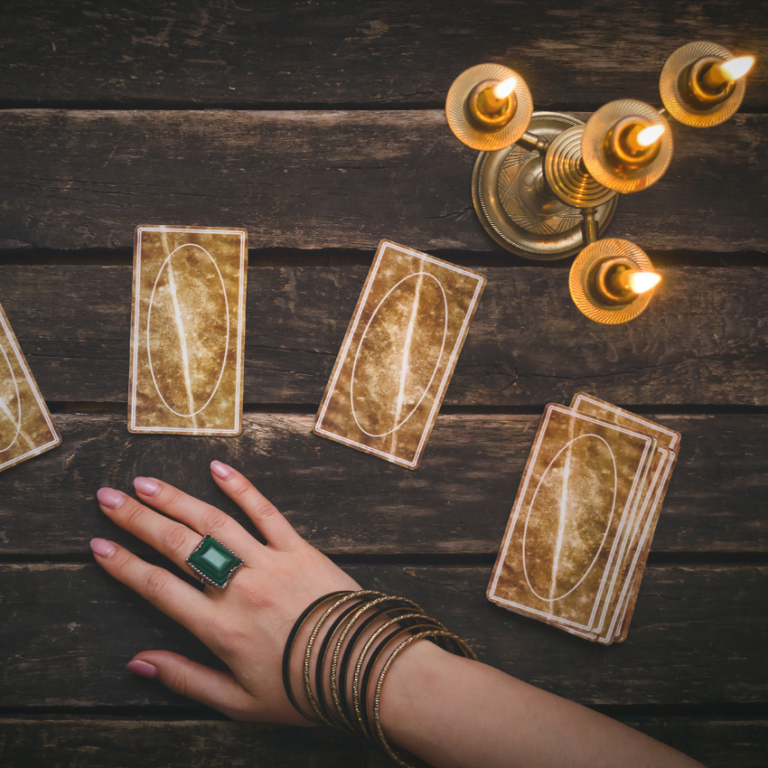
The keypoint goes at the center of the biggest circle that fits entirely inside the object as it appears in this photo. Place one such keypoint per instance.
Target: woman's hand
(247, 623)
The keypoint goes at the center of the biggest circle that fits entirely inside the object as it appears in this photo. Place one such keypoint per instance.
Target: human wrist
(410, 697)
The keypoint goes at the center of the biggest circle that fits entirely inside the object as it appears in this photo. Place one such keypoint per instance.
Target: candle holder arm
(533, 143)
(589, 231)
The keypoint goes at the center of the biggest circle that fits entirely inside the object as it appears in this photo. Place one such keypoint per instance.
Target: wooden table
(318, 127)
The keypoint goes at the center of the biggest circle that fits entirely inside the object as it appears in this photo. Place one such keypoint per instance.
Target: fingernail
(141, 668)
(221, 471)
(146, 486)
(102, 547)
(109, 497)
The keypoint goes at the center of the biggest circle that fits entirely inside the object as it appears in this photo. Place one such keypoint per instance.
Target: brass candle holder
(612, 281)
(546, 186)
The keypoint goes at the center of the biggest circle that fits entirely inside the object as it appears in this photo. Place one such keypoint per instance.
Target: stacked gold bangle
(359, 628)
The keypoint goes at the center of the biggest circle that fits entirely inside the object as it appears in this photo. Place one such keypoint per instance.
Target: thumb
(219, 690)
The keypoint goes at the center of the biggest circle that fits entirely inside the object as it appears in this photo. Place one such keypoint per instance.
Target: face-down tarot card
(188, 330)
(399, 353)
(567, 533)
(26, 427)
(621, 607)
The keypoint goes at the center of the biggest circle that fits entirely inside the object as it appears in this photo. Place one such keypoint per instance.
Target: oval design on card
(399, 354)
(187, 318)
(8, 393)
(569, 517)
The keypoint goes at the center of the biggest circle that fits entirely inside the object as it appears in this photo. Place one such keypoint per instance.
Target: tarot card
(627, 608)
(639, 543)
(399, 353)
(188, 330)
(578, 491)
(600, 409)
(629, 568)
(26, 427)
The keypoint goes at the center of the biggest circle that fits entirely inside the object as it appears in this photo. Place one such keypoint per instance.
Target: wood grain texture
(93, 743)
(125, 743)
(317, 179)
(702, 341)
(379, 53)
(345, 502)
(74, 628)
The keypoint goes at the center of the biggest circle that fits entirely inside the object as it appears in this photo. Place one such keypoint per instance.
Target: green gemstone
(213, 562)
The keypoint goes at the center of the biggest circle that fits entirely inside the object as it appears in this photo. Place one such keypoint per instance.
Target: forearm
(453, 713)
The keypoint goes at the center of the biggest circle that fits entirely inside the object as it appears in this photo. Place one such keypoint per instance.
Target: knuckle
(178, 681)
(175, 539)
(240, 487)
(157, 583)
(120, 560)
(171, 497)
(133, 514)
(264, 510)
(214, 521)
(253, 596)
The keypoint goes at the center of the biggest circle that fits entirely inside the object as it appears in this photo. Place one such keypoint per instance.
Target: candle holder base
(516, 206)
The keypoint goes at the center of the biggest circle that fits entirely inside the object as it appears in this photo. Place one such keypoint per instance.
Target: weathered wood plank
(703, 340)
(93, 743)
(128, 743)
(377, 53)
(74, 180)
(345, 502)
(697, 636)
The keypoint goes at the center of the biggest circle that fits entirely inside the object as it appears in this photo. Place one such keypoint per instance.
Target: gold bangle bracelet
(381, 738)
(291, 642)
(361, 684)
(364, 653)
(310, 644)
(337, 697)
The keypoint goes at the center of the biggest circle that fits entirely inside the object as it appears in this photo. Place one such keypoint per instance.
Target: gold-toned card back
(638, 545)
(399, 353)
(26, 427)
(601, 409)
(188, 330)
(562, 539)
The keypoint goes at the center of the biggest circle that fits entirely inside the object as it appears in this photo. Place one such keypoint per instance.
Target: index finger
(198, 515)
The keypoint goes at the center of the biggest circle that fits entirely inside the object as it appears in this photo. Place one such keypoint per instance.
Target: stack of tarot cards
(581, 527)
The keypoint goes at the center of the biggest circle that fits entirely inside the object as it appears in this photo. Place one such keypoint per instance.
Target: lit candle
(634, 281)
(727, 72)
(649, 135)
(633, 142)
(494, 98)
(491, 104)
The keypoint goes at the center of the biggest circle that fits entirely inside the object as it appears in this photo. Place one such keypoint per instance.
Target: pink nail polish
(222, 471)
(110, 498)
(102, 547)
(141, 668)
(146, 486)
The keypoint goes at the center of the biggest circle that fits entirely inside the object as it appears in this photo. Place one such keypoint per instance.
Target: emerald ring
(213, 562)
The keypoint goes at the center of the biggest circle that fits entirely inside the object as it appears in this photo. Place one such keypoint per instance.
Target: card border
(662, 473)
(354, 323)
(29, 378)
(136, 313)
(675, 436)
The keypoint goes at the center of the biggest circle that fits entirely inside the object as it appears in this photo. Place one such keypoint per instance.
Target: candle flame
(640, 282)
(505, 87)
(738, 67)
(649, 135)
